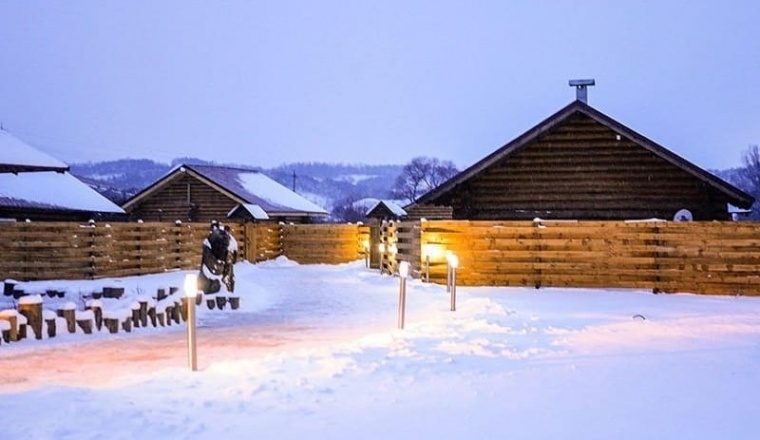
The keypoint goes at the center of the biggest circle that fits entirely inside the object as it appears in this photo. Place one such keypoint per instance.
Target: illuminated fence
(698, 257)
(709, 257)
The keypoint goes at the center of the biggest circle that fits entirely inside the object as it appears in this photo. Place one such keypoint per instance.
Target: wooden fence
(698, 257)
(326, 243)
(65, 250)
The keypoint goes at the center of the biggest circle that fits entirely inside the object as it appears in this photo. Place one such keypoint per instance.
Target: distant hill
(322, 183)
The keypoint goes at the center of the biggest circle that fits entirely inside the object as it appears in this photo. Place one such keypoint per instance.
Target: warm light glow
(453, 261)
(403, 269)
(381, 248)
(191, 285)
(365, 243)
(392, 249)
(433, 251)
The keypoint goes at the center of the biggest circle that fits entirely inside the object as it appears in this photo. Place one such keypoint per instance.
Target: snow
(256, 211)
(392, 205)
(15, 152)
(314, 352)
(276, 194)
(54, 189)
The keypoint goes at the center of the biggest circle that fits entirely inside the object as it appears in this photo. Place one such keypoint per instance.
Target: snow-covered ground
(314, 352)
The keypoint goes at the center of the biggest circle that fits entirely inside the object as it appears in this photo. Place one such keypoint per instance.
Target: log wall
(584, 170)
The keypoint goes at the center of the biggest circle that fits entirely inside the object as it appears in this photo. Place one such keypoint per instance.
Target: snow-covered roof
(277, 196)
(391, 205)
(15, 155)
(255, 211)
(51, 190)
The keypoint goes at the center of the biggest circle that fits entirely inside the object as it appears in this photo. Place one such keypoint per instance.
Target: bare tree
(421, 175)
(750, 173)
(749, 176)
(347, 210)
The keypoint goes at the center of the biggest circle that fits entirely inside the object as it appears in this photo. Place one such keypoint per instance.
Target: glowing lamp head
(381, 248)
(191, 285)
(403, 269)
(453, 261)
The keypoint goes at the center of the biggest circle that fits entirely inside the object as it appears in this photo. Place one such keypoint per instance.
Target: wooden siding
(430, 212)
(580, 170)
(184, 198)
(66, 250)
(52, 250)
(707, 257)
(263, 241)
(325, 243)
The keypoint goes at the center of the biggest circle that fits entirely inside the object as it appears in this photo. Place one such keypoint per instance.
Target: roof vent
(580, 88)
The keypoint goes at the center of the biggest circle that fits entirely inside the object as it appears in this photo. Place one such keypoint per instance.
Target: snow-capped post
(191, 291)
(403, 272)
(67, 311)
(365, 244)
(31, 307)
(454, 263)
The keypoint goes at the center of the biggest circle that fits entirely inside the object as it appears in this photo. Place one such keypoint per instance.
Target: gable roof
(246, 187)
(385, 207)
(30, 180)
(736, 195)
(16, 156)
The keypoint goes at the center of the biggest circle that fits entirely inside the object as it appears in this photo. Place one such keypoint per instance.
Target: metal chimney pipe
(581, 93)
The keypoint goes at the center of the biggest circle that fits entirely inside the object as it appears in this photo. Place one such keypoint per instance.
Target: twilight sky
(268, 82)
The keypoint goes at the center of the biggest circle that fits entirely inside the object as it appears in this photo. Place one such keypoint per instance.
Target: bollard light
(191, 291)
(448, 271)
(403, 272)
(426, 250)
(366, 253)
(381, 248)
(453, 263)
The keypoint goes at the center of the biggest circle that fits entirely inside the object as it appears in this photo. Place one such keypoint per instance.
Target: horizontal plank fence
(324, 243)
(67, 250)
(698, 257)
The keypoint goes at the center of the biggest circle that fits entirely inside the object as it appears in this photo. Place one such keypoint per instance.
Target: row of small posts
(144, 312)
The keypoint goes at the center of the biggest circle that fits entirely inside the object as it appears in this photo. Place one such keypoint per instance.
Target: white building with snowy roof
(35, 186)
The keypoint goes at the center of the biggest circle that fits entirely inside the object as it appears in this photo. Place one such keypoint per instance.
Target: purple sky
(263, 83)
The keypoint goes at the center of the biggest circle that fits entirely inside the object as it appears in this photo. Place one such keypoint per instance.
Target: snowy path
(314, 352)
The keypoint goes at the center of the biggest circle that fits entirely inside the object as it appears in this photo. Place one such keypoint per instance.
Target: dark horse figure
(217, 260)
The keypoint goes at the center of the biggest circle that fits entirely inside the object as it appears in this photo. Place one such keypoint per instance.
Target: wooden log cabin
(581, 164)
(202, 193)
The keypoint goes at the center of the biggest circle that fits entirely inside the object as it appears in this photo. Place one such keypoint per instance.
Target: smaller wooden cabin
(202, 193)
(581, 164)
(37, 187)
(386, 210)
